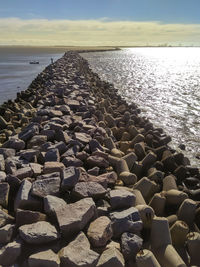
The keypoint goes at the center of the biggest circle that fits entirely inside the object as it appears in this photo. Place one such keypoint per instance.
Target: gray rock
(72, 161)
(94, 171)
(10, 253)
(50, 134)
(111, 257)
(70, 177)
(24, 173)
(10, 166)
(38, 233)
(7, 152)
(53, 166)
(5, 218)
(130, 245)
(14, 143)
(89, 189)
(46, 258)
(98, 161)
(72, 218)
(31, 130)
(2, 163)
(82, 137)
(52, 155)
(4, 193)
(37, 141)
(28, 217)
(100, 231)
(29, 154)
(2, 176)
(6, 233)
(62, 136)
(52, 203)
(36, 169)
(85, 256)
(24, 200)
(126, 221)
(120, 199)
(95, 145)
(49, 186)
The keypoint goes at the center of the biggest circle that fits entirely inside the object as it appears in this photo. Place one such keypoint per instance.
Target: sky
(99, 22)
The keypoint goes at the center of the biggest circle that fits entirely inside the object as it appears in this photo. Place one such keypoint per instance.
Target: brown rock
(100, 231)
(72, 218)
(111, 257)
(89, 189)
(38, 233)
(28, 217)
(85, 256)
(4, 193)
(49, 186)
(46, 258)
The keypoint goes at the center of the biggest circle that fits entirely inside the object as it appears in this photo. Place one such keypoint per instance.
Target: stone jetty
(86, 181)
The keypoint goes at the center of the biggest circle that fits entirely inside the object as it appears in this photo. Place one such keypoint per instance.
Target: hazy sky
(99, 22)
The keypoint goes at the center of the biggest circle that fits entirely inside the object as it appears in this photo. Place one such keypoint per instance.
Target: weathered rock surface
(78, 253)
(6, 233)
(89, 189)
(4, 193)
(72, 218)
(70, 177)
(120, 199)
(126, 221)
(49, 186)
(10, 253)
(46, 258)
(111, 257)
(38, 233)
(130, 245)
(100, 231)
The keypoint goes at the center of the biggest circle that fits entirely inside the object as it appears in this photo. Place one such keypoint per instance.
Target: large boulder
(130, 245)
(100, 231)
(46, 258)
(38, 233)
(72, 218)
(49, 186)
(121, 198)
(78, 253)
(89, 189)
(111, 257)
(126, 221)
(70, 177)
(10, 253)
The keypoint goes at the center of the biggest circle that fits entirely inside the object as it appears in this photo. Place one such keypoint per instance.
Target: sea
(164, 82)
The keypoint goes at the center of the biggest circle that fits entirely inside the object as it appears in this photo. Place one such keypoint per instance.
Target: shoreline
(78, 142)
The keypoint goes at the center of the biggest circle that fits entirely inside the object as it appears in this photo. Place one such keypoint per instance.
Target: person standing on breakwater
(51, 60)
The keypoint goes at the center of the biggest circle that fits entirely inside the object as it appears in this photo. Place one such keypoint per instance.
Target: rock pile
(85, 181)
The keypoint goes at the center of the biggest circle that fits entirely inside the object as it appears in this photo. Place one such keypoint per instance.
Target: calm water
(164, 82)
(15, 71)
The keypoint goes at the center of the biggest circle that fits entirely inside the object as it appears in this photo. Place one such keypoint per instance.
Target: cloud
(95, 32)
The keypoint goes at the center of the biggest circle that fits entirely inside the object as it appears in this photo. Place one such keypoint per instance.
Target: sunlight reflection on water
(164, 82)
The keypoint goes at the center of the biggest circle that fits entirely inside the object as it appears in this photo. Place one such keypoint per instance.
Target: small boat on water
(34, 62)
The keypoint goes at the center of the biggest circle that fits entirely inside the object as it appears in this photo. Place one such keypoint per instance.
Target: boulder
(24, 173)
(14, 143)
(78, 253)
(53, 166)
(99, 231)
(49, 186)
(2, 163)
(126, 221)
(7, 152)
(73, 218)
(28, 217)
(4, 193)
(89, 189)
(130, 245)
(70, 177)
(5, 218)
(37, 141)
(10, 253)
(46, 258)
(111, 257)
(82, 137)
(121, 199)
(98, 161)
(6, 233)
(53, 203)
(38, 233)
(52, 155)
(29, 154)
(72, 161)
(2, 176)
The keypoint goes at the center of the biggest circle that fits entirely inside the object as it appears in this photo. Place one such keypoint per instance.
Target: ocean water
(164, 83)
(15, 71)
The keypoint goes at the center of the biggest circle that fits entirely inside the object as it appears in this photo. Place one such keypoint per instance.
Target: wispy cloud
(95, 32)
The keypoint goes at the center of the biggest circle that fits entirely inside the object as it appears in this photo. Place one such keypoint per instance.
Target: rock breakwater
(85, 181)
